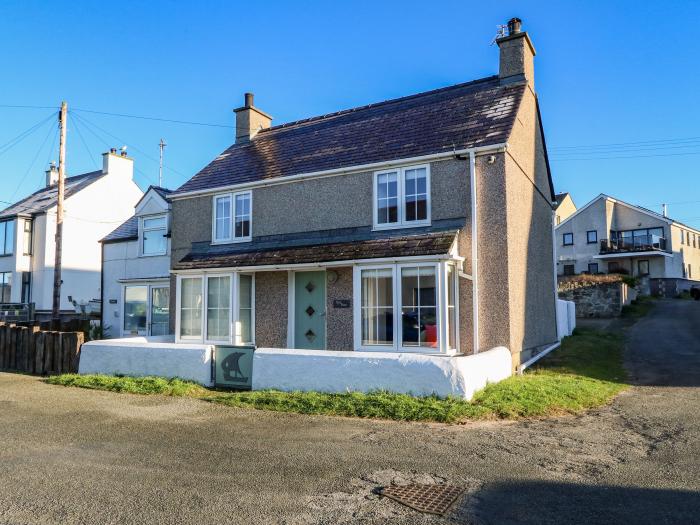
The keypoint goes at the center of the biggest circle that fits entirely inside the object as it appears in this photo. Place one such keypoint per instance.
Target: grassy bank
(585, 373)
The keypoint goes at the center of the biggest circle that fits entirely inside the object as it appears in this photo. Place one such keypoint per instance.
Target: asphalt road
(76, 456)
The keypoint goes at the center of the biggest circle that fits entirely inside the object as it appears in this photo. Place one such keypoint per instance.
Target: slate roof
(127, 231)
(476, 113)
(320, 247)
(45, 198)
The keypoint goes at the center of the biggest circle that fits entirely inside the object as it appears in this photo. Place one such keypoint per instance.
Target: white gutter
(494, 148)
(475, 256)
(539, 356)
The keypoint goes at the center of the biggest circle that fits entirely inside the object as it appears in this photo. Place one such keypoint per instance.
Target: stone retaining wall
(600, 300)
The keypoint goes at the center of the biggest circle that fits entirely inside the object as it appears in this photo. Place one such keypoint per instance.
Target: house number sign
(341, 303)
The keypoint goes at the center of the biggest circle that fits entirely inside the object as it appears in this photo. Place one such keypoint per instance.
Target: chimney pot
(113, 150)
(248, 100)
(514, 26)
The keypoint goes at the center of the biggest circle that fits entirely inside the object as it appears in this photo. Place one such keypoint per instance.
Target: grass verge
(584, 373)
(638, 308)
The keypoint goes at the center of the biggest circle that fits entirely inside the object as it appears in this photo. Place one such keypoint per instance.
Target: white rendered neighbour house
(136, 269)
(94, 203)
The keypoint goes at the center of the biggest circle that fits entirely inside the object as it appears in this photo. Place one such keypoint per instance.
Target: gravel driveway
(77, 456)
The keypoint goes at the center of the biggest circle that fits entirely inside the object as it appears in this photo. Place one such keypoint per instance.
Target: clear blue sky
(606, 73)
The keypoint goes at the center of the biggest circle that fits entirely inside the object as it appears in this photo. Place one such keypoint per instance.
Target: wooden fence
(29, 349)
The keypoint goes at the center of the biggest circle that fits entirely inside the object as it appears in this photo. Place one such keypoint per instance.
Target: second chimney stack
(250, 120)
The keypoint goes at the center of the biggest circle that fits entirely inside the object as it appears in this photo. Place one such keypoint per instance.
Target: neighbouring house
(608, 235)
(136, 270)
(94, 203)
(564, 207)
(420, 224)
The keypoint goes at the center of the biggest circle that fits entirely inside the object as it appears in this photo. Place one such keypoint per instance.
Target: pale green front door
(310, 310)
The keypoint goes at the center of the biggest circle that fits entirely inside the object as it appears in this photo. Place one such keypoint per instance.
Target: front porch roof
(320, 249)
(627, 255)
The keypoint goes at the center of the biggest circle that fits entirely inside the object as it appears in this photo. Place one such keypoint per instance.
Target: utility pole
(62, 121)
(162, 145)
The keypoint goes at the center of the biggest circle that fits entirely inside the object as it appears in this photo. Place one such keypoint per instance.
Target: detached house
(94, 203)
(608, 235)
(421, 224)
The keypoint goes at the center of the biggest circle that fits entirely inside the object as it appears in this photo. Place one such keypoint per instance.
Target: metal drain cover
(433, 499)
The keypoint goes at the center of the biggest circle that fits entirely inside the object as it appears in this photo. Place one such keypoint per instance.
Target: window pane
(135, 308)
(155, 222)
(223, 218)
(218, 307)
(387, 198)
(27, 241)
(154, 241)
(2, 237)
(416, 196)
(6, 287)
(160, 311)
(191, 307)
(418, 311)
(377, 307)
(242, 216)
(7, 232)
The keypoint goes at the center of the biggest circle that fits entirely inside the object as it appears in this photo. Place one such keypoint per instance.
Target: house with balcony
(608, 235)
(421, 224)
(94, 203)
(136, 270)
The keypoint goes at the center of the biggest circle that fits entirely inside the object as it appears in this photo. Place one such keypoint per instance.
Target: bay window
(216, 308)
(6, 287)
(402, 197)
(406, 307)
(232, 217)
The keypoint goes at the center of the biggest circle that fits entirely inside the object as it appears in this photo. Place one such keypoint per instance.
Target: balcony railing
(641, 243)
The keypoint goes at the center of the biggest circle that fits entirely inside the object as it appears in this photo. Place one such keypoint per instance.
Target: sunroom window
(232, 217)
(218, 308)
(402, 197)
(409, 307)
(191, 307)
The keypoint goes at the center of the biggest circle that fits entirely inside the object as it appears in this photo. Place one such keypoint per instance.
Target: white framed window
(190, 300)
(402, 197)
(216, 308)
(409, 307)
(218, 318)
(154, 231)
(232, 218)
(7, 237)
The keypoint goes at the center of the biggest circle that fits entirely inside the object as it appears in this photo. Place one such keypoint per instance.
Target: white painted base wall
(417, 374)
(566, 318)
(148, 356)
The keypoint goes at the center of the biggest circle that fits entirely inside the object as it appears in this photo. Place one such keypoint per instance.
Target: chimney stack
(516, 55)
(52, 175)
(664, 208)
(250, 120)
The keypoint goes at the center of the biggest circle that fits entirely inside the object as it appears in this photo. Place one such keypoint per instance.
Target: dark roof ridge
(378, 104)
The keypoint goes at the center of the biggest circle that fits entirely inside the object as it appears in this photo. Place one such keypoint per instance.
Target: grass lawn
(585, 372)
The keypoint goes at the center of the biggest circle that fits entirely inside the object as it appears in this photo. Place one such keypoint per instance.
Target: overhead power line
(627, 157)
(625, 144)
(52, 128)
(19, 138)
(158, 119)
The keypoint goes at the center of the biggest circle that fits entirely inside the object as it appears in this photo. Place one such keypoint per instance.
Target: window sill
(233, 241)
(399, 226)
(153, 254)
(394, 350)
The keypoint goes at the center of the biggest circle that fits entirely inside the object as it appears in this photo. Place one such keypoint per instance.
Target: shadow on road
(550, 502)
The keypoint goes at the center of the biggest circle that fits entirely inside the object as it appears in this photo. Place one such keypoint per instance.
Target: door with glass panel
(135, 310)
(160, 310)
(310, 310)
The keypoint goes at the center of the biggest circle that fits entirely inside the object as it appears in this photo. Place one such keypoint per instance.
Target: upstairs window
(7, 237)
(592, 237)
(232, 217)
(28, 236)
(154, 231)
(568, 239)
(402, 197)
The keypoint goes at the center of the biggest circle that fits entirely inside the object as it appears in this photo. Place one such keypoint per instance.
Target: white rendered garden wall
(417, 374)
